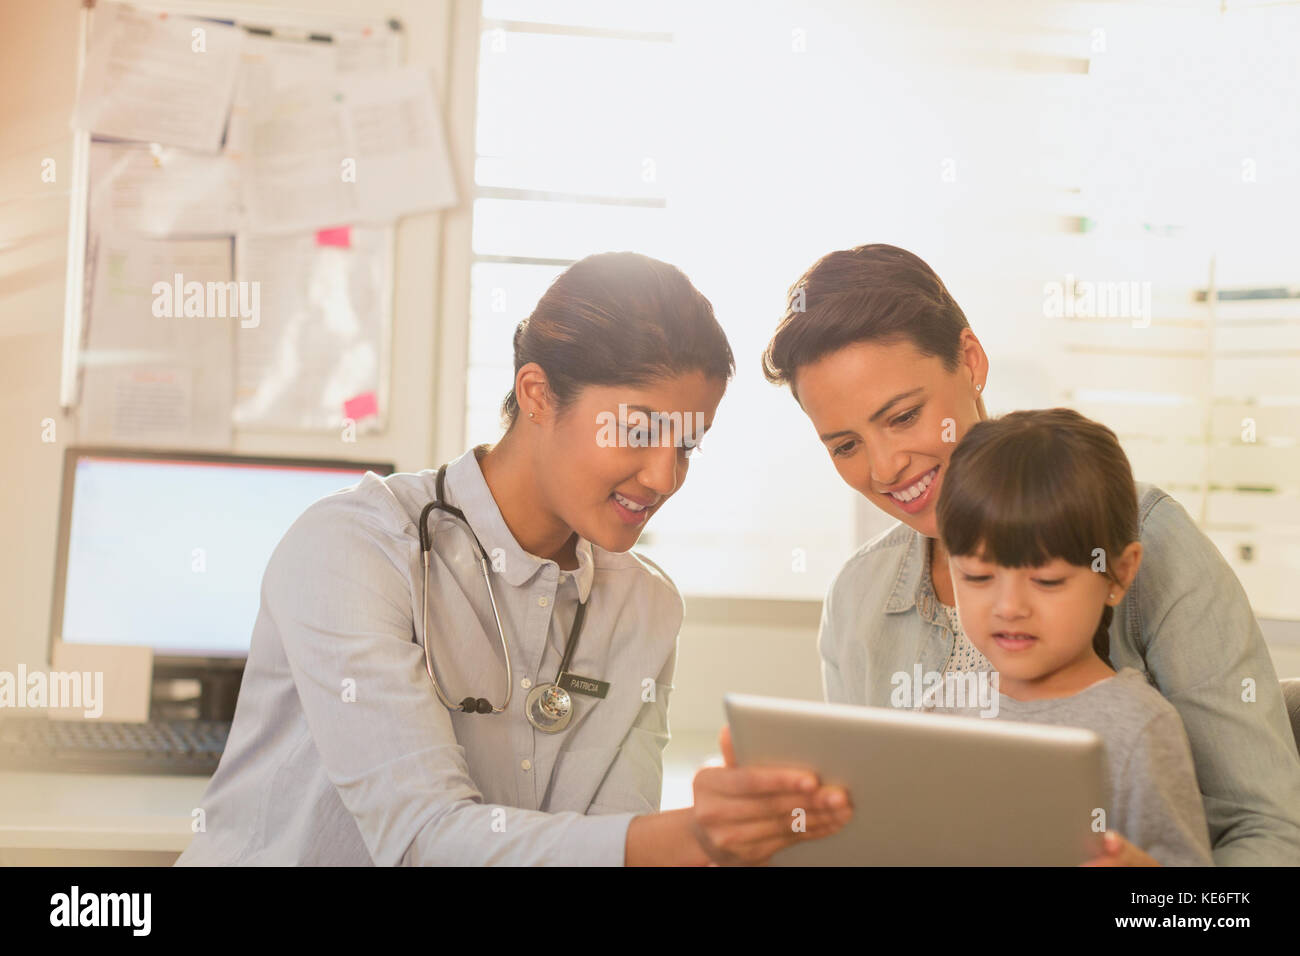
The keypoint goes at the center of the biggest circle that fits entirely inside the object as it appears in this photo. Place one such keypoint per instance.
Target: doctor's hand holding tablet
(470, 665)
(741, 815)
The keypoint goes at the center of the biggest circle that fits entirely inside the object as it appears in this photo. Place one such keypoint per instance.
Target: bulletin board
(238, 174)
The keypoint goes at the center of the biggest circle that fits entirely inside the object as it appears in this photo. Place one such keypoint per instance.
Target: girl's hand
(742, 815)
(1117, 851)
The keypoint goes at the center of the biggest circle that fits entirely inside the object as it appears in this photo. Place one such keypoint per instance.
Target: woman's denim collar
(911, 588)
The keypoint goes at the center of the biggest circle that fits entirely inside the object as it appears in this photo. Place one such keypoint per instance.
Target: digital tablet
(932, 789)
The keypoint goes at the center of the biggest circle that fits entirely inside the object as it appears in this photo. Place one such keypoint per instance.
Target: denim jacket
(1186, 624)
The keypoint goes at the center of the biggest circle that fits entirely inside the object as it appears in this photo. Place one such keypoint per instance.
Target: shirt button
(525, 683)
(541, 602)
(526, 764)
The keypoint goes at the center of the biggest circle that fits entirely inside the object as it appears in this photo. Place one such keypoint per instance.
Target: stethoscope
(549, 707)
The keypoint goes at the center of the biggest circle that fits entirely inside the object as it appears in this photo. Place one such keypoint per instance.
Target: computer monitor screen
(169, 551)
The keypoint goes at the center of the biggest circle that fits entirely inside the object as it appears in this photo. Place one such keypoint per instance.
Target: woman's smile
(915, 496)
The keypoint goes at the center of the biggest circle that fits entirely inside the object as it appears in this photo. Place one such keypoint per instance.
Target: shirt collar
(467, 489)
(913, 573)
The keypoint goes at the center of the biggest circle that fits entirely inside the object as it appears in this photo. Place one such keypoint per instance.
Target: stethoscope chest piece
(549, 708)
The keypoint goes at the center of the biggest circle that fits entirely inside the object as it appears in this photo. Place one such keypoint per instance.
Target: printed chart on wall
(243, 182)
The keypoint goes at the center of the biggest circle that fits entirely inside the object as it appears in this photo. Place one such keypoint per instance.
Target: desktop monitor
(167, 550)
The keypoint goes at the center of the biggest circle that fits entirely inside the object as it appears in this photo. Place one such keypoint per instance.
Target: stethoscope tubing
(426, 548)
(428, 654)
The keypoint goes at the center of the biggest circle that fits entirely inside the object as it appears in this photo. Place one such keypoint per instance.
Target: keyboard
(188, 747)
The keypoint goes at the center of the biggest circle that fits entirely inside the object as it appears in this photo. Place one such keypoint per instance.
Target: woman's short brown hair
(872, 293)
(618, 318)
(1030, 486)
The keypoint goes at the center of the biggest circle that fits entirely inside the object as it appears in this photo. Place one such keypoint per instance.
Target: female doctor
(517, 713)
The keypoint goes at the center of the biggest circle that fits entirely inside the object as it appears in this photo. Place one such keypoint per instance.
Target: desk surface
(83, 811)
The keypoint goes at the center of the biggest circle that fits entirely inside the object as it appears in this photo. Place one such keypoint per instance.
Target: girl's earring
(979, 388)
(530, 414)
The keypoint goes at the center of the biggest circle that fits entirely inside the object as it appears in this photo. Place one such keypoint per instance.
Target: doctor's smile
(631, 511)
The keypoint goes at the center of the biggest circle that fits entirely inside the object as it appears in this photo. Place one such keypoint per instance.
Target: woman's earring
(979, 387)
(530, 414)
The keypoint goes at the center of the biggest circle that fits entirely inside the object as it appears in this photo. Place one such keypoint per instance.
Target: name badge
(584, 685)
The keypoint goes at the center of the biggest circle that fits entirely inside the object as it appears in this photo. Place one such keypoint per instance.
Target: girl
(1040, 524)
(882, 360)
(469, 666)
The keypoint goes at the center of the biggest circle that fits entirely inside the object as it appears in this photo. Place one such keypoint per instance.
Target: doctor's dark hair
(618, 318)
(1031, 486)
(872, 293)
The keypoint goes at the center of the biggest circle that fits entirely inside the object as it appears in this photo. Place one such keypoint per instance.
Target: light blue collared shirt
(1186, 624)
(341, 752)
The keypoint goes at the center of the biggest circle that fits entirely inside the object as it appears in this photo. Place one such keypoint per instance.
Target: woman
(882, 360)
(344, 750)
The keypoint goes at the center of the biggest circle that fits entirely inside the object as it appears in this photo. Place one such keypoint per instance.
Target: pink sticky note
(340, 236)
(361, 406)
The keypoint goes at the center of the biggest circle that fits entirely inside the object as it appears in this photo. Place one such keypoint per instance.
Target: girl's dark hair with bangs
(618, 318)
(1030, 486)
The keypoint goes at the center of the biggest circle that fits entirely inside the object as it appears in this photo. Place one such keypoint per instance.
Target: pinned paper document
(402, 162)
(157, 365)
(158, 79)
(163, 191)
(367, 148)
(319, 355)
